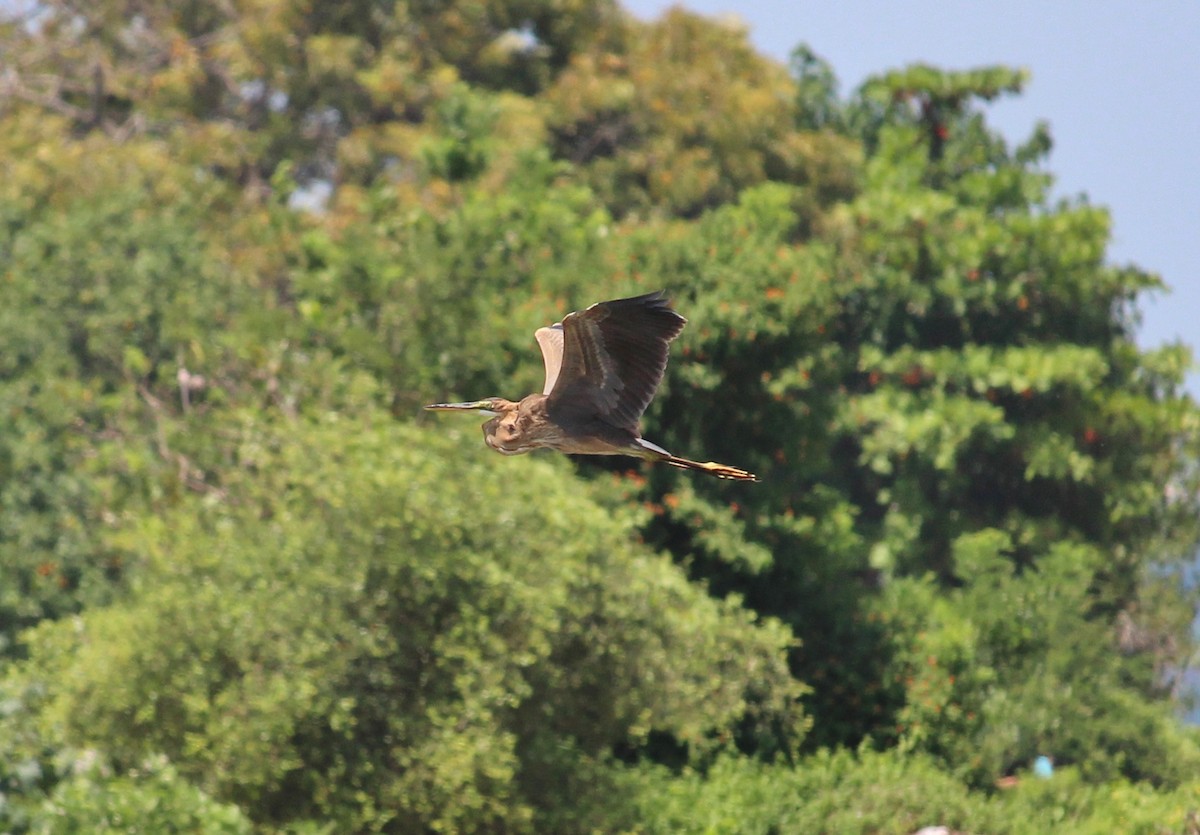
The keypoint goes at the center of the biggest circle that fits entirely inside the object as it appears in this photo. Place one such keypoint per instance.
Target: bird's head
(499, 433)
(491, 406)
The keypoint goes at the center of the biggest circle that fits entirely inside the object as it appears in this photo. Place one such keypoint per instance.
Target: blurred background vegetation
(246, 586)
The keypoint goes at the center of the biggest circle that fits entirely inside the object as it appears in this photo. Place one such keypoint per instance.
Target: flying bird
(603, 366)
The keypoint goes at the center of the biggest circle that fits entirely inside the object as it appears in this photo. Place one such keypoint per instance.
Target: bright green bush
(153, 798)
(898, 793)
(401, 632)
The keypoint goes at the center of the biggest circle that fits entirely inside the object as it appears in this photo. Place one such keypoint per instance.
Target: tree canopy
(246, 585)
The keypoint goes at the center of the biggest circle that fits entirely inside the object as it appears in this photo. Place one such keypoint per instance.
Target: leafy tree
(937, 363)
(155, 799)
(338, 89)
(652, 127)
(895, 792)
(289, 610)
(398, 634)
(109, 297)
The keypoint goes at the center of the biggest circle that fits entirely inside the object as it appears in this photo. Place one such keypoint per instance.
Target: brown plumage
(603, 366)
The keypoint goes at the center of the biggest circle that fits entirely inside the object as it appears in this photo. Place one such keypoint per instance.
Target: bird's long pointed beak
(483, 406)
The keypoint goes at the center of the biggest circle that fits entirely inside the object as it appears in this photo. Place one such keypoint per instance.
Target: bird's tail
(653, 452)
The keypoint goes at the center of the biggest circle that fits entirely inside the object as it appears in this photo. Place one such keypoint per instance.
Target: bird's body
(528, 425)
(603, 366)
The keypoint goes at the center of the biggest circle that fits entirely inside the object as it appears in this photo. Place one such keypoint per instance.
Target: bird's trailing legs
(653, 452)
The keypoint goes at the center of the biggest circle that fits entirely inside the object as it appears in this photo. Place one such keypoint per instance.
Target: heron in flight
(603, 366)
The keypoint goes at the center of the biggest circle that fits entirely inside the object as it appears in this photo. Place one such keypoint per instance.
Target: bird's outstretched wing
(550, 340)
(613, 358)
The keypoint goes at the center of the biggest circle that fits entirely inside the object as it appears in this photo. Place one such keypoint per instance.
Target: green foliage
(961, 387)
(153, 798)
(106, 300)
(995, 672)
(653, 128)
(244, 594)
(817, 104)
(410, 635)
(872, 792)
(466, 121)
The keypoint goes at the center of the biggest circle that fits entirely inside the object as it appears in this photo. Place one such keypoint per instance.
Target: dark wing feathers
(614, 356)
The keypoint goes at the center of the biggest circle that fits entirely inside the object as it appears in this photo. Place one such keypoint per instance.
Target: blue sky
(1116, 80)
